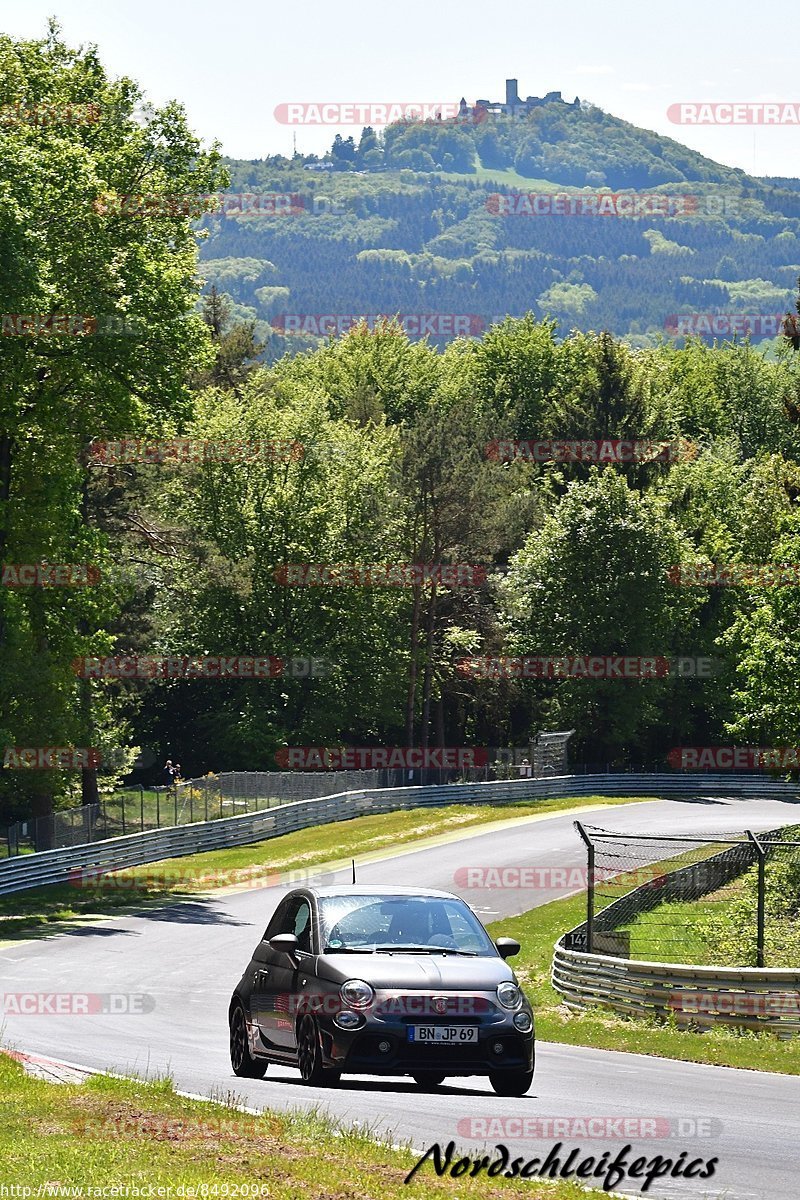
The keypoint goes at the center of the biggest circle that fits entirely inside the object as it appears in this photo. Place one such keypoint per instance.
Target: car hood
(390, 972)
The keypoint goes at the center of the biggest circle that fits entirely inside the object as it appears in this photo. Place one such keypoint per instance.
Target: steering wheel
(445, 940)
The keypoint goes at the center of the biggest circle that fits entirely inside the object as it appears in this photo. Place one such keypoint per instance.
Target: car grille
(457, 1008)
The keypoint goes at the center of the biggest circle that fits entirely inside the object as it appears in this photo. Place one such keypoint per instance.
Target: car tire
(428, 1079)
(511, 1083)
(242, 1061)
(309, 1056)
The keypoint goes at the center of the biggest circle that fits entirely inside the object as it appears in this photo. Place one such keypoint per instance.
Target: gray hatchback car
(373, 981)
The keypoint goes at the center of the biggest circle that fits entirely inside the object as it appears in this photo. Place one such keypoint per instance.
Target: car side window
(302, 926)
(276, 924)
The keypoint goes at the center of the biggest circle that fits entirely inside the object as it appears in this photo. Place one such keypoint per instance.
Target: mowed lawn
(125, 1133)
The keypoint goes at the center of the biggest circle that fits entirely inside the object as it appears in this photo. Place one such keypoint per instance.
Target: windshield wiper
(390, 948)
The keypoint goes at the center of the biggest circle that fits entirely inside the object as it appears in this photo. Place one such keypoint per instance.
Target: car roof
(362, 889)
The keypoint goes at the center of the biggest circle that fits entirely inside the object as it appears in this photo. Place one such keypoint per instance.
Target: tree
(235, 344)
(592, 581)
(114, 363)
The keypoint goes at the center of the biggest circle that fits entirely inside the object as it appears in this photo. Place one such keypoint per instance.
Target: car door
(262, 997)
(281, 983)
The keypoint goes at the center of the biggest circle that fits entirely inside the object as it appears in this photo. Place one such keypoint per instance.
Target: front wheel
(242, 1061)
(309, 1056)
(511, 1083)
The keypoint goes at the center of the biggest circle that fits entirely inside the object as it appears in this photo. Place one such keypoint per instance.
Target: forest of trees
(409, 241)
(389, 463)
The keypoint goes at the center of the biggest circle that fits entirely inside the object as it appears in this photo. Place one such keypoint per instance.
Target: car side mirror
(285, 943)
(508, 947)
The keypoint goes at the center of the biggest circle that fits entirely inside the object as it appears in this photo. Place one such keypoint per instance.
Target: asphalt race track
(188, 957)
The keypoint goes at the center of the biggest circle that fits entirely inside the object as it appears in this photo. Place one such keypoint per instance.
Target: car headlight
(357, 993)
(509, 995)
(523, 1022)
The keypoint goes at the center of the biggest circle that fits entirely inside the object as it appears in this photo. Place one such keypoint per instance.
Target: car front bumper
(381, 1045)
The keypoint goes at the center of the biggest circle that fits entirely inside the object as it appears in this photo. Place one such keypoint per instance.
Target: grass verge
(56, 909)
(538, 931)
(108, 1132)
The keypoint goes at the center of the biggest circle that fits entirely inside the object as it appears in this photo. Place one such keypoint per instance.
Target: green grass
(673, 933)
(109, 1132)
(505, 178)
(538, 931)
(41, 911)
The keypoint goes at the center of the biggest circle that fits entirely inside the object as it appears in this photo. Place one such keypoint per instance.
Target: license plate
(455, 1034)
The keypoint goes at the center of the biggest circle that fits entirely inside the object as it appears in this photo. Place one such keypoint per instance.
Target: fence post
(762, 893)
(205, 792)
(122, 806)
(191, 806)
(589, 885)
(175, 788)
(158, 808)
(141, 805)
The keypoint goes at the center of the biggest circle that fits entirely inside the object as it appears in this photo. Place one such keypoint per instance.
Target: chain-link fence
(130, 810)
(133, 810)
(727, 900)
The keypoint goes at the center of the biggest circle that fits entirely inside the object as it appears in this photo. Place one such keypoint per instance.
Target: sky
(232, 65)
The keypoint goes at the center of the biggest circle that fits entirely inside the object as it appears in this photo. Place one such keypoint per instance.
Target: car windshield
(397, 924)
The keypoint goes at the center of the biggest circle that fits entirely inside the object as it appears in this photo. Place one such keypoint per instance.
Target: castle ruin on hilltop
(514, 105)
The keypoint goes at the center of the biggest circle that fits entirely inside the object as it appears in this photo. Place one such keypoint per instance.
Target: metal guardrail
(765, 998)
(56, 866)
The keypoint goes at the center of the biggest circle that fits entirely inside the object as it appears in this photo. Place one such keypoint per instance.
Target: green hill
(445, 217)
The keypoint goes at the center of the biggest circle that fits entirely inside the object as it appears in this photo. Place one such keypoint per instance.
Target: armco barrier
(766, 998)
(54, 866)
